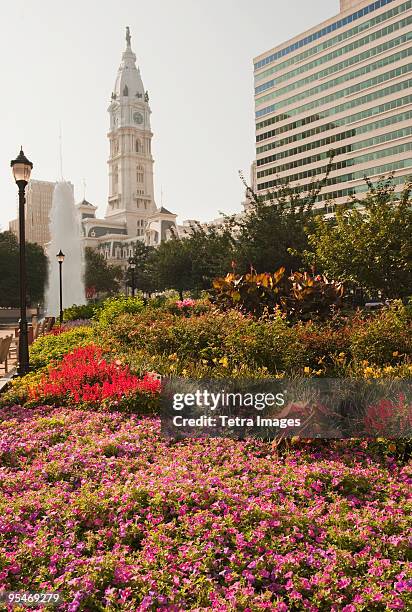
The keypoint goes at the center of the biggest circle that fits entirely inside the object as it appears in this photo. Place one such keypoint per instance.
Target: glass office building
(345, 85)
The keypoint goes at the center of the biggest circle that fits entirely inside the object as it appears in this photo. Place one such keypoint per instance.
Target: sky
(59, 61)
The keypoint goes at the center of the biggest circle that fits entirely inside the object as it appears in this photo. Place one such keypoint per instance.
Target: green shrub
(50, 347)
(216, 343)
(84, 311)
(17, 391)
(408, 307)
(270, 344)
(384, 338)
(221, 341)
(325, 348)
(188, 307)
(115, 306)
(157, 301)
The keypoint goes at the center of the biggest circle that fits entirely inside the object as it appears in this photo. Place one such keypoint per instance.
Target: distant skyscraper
(345, 85)
(39, 195)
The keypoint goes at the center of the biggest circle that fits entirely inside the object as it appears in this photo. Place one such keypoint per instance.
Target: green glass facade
(352, 92)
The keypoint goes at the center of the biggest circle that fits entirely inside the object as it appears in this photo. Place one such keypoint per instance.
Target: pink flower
(186, 303)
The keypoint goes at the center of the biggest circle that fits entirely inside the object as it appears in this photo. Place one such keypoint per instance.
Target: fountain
(65, 235)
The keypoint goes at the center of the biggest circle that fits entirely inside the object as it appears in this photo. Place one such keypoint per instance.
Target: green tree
(36, 267)
(274, 233)
(194, 260)
(106, 278)
(144, 275)
(211, 252)
(369, 242)
(172, 266)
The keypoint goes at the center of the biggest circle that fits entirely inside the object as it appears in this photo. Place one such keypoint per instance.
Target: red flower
(84, 375)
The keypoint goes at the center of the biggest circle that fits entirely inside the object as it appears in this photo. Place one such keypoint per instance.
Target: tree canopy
(104, 277)
(367, 244)
(369, 241)
(192, 261)
(36, 267)
(144, 278)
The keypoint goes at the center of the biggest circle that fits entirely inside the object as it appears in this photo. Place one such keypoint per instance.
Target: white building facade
(131, 213)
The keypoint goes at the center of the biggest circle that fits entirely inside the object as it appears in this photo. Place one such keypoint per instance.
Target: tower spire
(128, 37)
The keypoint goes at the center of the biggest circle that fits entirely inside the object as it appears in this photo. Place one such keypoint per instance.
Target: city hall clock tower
(131, 190)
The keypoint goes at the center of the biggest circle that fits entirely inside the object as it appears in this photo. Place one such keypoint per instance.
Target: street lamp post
(22, 168)
(60, 258)
(132, 266)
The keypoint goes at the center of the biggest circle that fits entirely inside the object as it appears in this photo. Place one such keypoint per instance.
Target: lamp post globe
(21, 168)
(132, 266)
(60, 258)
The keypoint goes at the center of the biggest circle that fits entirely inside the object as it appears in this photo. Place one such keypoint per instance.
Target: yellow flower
(184, 372)
(341, 354)
(369, 372)
(224, 362)
(395, 354)
(307, 370)
(173, 357)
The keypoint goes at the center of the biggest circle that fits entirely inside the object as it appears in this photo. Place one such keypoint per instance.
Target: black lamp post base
(24, 364)
(23, 370)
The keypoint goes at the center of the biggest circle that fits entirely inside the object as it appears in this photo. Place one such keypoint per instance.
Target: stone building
(131, 213)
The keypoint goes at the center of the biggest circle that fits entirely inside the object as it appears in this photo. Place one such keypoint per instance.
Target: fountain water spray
(65, 236)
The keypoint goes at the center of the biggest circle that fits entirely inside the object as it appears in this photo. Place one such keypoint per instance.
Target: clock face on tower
(138, 118)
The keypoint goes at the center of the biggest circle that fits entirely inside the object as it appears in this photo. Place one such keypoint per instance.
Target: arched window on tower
(125, 90)
(140, 174)
(138, 146)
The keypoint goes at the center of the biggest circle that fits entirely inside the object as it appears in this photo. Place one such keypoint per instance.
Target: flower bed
(214, 344)
(87, 378)
(99, 507)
